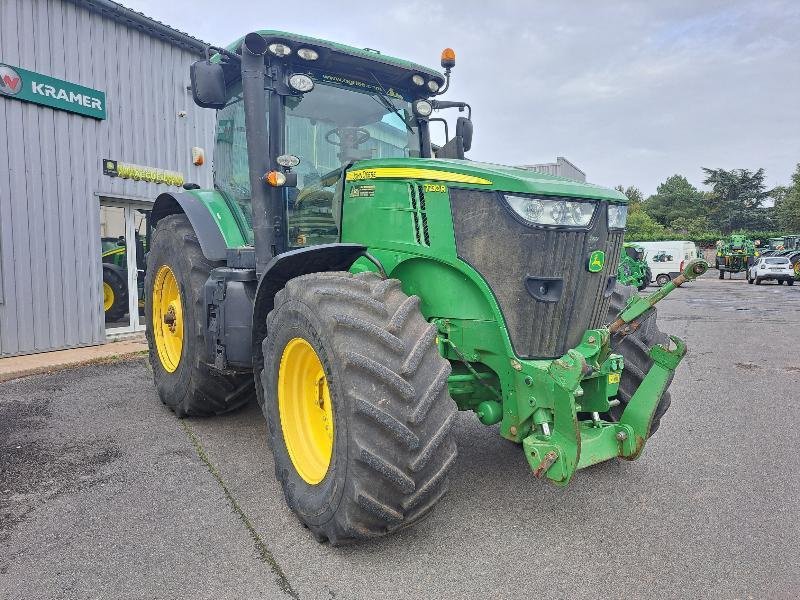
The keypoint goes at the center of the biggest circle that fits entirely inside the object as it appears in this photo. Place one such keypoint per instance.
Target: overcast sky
(631, 92)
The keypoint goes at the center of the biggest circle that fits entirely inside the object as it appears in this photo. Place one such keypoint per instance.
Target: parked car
(777, 268)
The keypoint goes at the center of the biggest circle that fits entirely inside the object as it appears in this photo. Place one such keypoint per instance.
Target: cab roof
(336, 57)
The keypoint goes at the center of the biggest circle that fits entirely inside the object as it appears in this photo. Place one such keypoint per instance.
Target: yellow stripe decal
(413, 173)
(113, 251)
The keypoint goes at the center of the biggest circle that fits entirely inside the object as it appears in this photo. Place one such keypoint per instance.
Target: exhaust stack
(264, 206)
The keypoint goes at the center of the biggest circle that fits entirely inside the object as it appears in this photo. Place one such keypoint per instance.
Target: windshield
(340, 121)
(336, 124)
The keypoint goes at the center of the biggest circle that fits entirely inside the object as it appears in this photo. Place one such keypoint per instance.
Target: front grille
(507, 252)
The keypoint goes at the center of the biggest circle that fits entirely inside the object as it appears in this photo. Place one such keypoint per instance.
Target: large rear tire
(635, 348)
(175, 311)
(361, 424)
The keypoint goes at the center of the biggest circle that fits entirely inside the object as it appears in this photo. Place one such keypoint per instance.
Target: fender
(200, 207)
(286, 266)
(123, 273)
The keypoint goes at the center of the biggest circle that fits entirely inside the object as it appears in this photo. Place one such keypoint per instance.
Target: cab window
(329, 127)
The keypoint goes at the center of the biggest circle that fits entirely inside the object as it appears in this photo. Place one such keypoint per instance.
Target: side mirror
(464, 131)
(208, 84)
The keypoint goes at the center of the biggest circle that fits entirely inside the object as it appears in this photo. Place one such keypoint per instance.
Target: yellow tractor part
(306, 412)
(108, 297)
(167, 319)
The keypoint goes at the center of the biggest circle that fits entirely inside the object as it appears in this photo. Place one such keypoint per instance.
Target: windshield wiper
(383, 97)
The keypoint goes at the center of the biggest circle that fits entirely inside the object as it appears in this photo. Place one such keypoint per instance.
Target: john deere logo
(596, 261)
(10, 81)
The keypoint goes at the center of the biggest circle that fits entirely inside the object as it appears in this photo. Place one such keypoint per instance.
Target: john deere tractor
(115, 278)
(633, 269)
(115, 272)
(735, 255)
(363, 284)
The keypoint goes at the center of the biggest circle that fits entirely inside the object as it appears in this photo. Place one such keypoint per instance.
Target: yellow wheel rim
(167, 319)
(306, 412)
(108, 297)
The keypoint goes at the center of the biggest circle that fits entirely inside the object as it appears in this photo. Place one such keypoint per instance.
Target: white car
(778, 268)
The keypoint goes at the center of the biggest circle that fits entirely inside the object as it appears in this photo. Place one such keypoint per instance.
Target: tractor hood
(467, 173)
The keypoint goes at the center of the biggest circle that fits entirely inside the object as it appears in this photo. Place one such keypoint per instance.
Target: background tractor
(114, 256)
(115, 278)
(735, 254)
(633, 269)
(363, 284)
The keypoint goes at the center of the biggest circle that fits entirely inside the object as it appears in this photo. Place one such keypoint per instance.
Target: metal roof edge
(136, 20)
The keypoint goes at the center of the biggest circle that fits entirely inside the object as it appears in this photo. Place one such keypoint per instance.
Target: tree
(642, 227)
(675, 198)
(787, 204)
(736, 199)
(689, 228)
(634, 195)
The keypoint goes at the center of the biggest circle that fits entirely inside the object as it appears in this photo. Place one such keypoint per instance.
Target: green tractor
(363, 284)
(633, 269)
(735, 255)
(114, 258)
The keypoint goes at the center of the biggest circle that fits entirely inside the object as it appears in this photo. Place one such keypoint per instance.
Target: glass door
(124, 236)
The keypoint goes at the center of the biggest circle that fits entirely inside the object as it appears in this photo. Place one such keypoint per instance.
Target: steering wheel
(347, 136)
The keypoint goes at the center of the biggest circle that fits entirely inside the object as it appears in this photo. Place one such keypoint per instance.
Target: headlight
(617, 216)
(307, 54)
(433, 86)
(422, 108)
(301, 83)
(552, 211)
(418, 79)
(279, 49)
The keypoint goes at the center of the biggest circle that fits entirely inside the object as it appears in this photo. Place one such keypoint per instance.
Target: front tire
(175, 310)
(384, 462)
(635, 348)
(662, 280)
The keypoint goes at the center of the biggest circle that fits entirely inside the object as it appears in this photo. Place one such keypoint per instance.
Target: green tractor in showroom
(364, 284)
(633, 269)
(115, 278)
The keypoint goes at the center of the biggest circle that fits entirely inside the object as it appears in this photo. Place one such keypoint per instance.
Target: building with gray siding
(98, 120)
(561, 168)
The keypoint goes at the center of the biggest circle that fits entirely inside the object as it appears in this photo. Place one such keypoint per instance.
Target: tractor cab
(634, 252)
(326, 106)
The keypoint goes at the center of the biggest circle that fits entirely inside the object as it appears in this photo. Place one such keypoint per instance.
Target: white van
(666, 259)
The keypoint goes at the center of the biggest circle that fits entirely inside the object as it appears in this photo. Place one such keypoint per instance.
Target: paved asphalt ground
(105, 494)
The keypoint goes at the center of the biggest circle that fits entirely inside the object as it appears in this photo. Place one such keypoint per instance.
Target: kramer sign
(34, 87)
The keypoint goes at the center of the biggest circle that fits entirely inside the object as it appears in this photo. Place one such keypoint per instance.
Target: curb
(78, 361)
